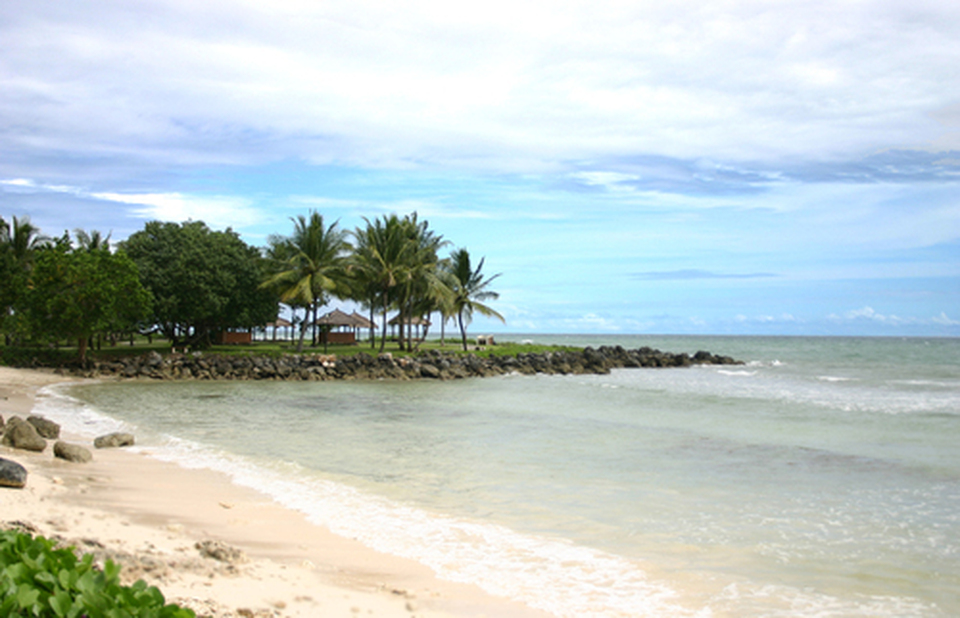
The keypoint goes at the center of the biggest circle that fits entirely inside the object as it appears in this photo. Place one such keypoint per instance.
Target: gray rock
(12, 474)
(18, 433)
(219, 550)
(429, 371)
(71, 452)
(113, 440)
(46, 428)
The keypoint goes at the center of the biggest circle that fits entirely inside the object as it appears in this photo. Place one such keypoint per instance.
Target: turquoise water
(822, 478)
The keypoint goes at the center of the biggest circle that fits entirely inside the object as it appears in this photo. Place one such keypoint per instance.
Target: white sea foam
(549, 574)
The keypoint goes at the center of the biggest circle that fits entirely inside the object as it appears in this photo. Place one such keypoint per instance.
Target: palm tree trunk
(373, 337)
(463, 331)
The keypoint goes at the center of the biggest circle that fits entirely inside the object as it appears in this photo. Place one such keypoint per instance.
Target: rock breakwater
(362, 366)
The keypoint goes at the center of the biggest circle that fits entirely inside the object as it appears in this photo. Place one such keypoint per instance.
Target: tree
(377, 263)
(421, 288)
(469, 289)
(202, 281)
(19, 243)
(92, 241)
(314, 269)
(76, 294)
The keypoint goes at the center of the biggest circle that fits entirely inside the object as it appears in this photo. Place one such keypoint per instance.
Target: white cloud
(534, 82)
(217, 211)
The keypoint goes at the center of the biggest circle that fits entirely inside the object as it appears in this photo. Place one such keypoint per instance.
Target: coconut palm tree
(93, 241)
(379, 263)
(19, 243)
(314, 266)
(469, 289)
(422, 289)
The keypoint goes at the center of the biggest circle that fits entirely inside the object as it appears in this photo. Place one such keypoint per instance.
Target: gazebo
(338, 319)
(287, 325)
(416, 321)
(362, 323)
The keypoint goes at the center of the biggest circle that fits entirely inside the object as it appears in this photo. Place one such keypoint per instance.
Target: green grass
(66, 355)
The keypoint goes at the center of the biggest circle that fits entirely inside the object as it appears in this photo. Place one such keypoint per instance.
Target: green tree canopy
(76, 294)
(202, 281)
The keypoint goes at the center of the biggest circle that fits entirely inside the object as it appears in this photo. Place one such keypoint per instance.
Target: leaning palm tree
(314, 266)
(469, 289)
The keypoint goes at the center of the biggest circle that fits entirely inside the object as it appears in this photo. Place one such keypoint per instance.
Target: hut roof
(415, 320)
(337, 318)
(362, 322)
(279, 323)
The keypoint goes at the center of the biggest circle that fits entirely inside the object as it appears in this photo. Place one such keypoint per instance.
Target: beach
(819, 479)
(150, 515)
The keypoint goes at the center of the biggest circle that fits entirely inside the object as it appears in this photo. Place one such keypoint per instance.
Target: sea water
(821, 478)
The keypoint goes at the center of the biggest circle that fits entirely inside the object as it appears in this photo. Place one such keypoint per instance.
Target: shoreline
(149, 515)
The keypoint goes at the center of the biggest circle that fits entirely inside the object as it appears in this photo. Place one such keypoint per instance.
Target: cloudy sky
(639, 167)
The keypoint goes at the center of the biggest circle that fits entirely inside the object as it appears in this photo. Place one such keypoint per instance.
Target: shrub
(37, 579)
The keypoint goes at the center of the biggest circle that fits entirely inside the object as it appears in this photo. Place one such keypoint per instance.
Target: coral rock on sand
(20, 434)
(221, 551)
(71, 452)
(114, 440)
(12, 474)
(46, 428)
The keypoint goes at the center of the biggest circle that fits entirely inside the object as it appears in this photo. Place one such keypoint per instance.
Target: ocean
(821, 478)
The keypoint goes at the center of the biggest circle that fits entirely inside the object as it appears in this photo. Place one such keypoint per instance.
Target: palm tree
(22, 239)
(19, 243)
(313, 268)
(469, 289)
(94, 241)
(422, 289)
(379, 263)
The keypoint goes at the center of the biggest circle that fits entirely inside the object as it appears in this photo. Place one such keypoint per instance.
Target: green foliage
(39, 580)
(469, 288)
(202, 281)
(73, 295)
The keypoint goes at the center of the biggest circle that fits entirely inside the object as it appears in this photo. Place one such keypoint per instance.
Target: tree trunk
(463, 331)
(82, 350)
(373, 331)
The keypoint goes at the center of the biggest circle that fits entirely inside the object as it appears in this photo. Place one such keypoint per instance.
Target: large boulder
(71, 452)
(12, 474)
(46, 428)
(113, 440)
(20, 434)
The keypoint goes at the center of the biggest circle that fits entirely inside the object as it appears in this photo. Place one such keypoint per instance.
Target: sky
(683, 167)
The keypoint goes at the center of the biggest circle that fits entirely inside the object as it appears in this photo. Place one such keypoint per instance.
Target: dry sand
(149, 516)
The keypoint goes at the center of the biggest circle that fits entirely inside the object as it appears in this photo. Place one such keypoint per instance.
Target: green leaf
(27, 596)
(60, 603)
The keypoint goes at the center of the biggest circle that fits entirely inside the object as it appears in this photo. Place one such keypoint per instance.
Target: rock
(71, 452)
(46, 428)
(429, 371)
(1, 423)
(12, 474)
(113, 440)
(221, 551)
(18, 433)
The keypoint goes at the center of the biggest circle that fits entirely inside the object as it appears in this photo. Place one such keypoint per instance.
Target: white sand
(148, 515)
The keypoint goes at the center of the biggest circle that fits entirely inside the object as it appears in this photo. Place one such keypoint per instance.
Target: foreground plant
(38, 579)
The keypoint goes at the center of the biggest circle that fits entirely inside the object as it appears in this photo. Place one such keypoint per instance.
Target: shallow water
(822, 478)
